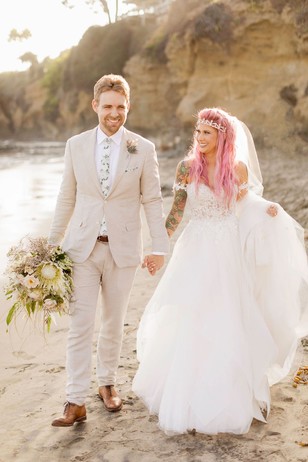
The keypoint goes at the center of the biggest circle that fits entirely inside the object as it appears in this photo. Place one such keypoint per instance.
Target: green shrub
(51, 108)
(102, 50)
(155, 48)
(52, 81)
(215, 23)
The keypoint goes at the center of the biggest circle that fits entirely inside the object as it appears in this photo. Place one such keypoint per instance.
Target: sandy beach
(33, 365)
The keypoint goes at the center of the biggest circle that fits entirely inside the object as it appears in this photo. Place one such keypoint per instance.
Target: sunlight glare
(53, 26)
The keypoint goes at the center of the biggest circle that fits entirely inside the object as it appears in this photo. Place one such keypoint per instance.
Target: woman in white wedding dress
(224, 322)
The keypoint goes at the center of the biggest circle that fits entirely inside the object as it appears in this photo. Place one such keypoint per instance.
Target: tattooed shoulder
(183, 171)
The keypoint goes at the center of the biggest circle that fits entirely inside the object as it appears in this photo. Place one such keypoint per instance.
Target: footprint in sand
(2, 391)
(22, 367)
(22, 355)
(54, 370)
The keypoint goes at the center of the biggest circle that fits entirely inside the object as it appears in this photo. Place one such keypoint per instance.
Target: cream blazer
(81, 204)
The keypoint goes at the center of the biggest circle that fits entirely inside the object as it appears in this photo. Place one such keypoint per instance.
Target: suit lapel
(89, 148)
(124, 159)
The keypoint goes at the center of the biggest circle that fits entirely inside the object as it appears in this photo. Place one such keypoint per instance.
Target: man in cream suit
(109, 172)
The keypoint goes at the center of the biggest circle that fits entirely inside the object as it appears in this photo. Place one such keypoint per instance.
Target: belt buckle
(103, 238)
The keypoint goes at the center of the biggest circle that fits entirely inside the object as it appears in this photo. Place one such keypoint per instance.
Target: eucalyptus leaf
(11, 313)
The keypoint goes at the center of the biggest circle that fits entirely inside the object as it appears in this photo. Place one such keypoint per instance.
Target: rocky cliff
(247, 56)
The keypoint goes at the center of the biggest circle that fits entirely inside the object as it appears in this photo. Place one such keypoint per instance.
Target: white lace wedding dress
(211, 340)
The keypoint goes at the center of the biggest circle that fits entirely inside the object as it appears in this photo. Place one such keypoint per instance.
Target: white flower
(35, 294)
(49, 271)
(40, 280)
(51, 278)
(30, 282)
(49, 304)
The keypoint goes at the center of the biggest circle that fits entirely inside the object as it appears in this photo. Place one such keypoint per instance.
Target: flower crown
(213, 124)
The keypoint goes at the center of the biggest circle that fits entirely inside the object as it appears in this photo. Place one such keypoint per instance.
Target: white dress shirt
(115, 150)
(114, 159)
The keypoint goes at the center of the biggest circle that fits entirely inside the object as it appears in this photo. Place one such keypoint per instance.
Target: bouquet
(40, 280)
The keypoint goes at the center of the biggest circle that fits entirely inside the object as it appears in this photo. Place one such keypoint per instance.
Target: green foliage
(15, 36)
(29, 58)
(12, 313)
(155, 48)
(215, 23)
(289, 94)
(39, 279)
(51, 108)
(104, 4)
(102, 50)
(52, 81)
(53, 75)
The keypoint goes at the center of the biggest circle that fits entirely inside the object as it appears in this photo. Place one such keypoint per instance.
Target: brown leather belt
(103, 238)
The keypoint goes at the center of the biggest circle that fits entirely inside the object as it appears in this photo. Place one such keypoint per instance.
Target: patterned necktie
(104, 171)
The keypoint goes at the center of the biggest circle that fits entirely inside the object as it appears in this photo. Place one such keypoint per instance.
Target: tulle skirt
(218, 331)
(275, 256)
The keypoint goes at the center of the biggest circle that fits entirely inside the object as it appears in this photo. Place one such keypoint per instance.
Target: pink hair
(224, 176)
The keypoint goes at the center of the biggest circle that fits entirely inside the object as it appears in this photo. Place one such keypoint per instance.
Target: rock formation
(247, 56)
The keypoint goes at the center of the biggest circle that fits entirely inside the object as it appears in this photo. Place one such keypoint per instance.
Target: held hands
(153, 263)
(272, 210)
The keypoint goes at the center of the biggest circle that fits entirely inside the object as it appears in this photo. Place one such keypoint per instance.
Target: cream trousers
(97, 275)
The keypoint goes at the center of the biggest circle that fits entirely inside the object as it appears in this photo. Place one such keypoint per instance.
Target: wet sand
(33, 366)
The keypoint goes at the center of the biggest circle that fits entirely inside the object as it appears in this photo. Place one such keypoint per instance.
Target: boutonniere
(131, 146)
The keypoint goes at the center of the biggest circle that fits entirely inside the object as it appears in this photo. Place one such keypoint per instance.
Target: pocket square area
(132, 169)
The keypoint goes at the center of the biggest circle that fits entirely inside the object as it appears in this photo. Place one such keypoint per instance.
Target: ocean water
(30, 176)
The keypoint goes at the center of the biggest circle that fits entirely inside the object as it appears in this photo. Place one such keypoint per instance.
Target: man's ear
(94, 105)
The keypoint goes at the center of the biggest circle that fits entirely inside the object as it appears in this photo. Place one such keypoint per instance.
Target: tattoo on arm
(180, 196)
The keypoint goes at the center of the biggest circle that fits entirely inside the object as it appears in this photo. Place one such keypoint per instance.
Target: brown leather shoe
(72, 413)
(110, 398)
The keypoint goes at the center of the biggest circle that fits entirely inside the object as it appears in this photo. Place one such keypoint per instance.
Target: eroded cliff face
(249, 57)
(260, 75)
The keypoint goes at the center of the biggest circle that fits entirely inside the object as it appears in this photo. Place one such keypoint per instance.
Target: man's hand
(272, 210)
(153, 263)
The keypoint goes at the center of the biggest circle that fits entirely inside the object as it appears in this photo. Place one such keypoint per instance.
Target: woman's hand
(153, 263)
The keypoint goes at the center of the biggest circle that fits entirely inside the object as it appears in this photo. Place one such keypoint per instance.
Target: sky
(54, 28)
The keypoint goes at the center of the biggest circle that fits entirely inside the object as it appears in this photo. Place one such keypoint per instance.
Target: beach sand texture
(33, 376)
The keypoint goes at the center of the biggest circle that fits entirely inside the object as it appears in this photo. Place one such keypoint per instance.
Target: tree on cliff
(104, 4)
(15, 36)
(149, 5)
(29, 58)
(156, 6)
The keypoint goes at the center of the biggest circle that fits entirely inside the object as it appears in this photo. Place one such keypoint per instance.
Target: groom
(108, 173)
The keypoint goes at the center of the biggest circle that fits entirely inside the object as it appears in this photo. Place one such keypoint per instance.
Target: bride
(224, 322)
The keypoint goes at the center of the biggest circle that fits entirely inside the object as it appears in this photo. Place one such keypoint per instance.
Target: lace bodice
(205, 205)
(209, 216)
